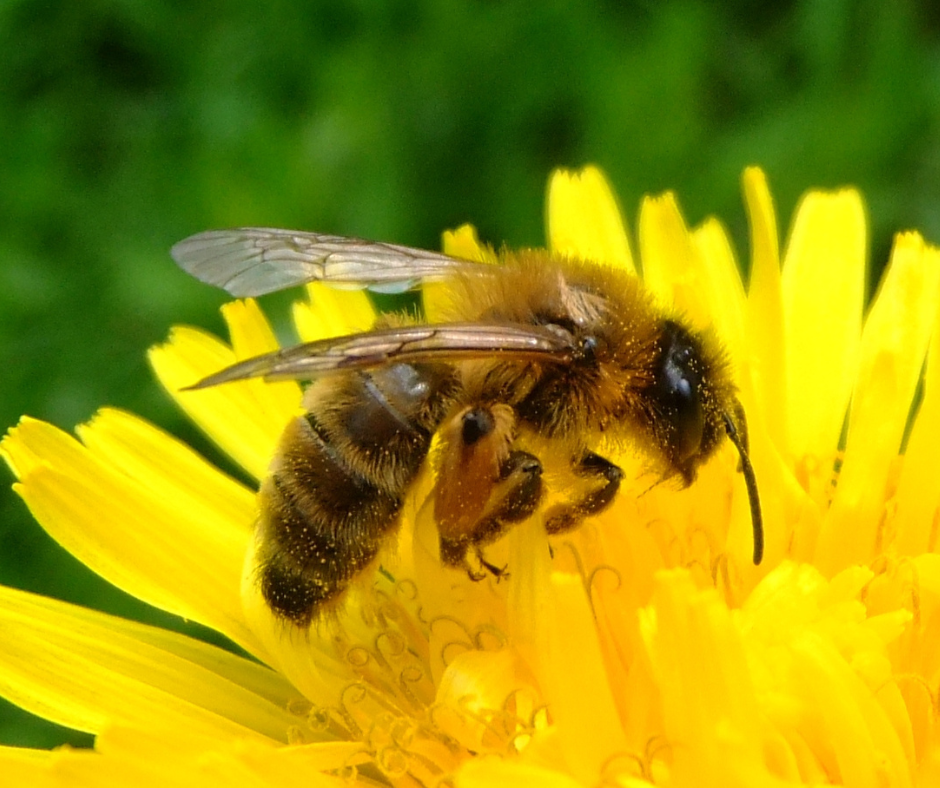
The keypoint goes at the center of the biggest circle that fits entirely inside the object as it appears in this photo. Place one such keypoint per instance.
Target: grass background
(127, 125)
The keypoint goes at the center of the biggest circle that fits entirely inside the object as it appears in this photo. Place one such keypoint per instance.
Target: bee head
(695, 410)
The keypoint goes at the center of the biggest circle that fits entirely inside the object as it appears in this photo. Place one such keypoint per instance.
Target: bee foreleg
(566, 516)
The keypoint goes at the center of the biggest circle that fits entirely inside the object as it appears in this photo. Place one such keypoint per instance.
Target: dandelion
(644, 649)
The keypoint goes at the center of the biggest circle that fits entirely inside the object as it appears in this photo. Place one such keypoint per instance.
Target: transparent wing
(252, 261)
(444, 342)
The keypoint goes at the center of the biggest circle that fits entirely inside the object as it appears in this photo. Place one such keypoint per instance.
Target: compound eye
(678, 393)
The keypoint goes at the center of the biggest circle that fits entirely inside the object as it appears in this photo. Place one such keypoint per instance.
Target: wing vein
(445, 342)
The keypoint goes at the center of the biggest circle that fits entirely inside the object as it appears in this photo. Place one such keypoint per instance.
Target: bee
(539, 349)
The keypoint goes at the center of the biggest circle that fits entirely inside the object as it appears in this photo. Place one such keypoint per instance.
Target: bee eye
(677, 393)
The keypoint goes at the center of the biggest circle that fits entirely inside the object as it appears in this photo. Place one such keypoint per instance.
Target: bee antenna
(739, 439)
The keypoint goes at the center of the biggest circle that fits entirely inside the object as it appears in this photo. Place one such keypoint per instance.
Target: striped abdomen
(339, 479)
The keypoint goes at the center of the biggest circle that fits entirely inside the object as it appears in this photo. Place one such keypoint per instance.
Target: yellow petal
(929, 772)
(129, 507)
(168, 467)
(822, 669)
(694, 274)
(710, 712)
(893, 346)
(24, 766)
(764, 320)
(529, 611)
(576, 684)
(248, 758)
(23, 755)
(87, 670)
(584, 219)
(823, 289)
(721, 287)
(918, 494)
(464, 244)
(865, 748)
(673, 269)
(172, 759)
(245, 418)
(474, 696)
(332, 313)
(499, 773)
(668, 256)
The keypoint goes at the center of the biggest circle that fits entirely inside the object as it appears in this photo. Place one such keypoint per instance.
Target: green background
(125, 126)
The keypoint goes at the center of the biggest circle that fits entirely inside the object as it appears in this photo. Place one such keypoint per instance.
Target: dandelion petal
(823, 288)
(891, 357)
(584, 219)
(141, 510)
(97, 670)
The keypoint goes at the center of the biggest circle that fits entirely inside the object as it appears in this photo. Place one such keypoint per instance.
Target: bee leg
(512, 498)
(499, 572)
(591, 466)
(454, 554)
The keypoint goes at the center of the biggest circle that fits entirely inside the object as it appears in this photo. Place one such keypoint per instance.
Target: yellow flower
(644, 649)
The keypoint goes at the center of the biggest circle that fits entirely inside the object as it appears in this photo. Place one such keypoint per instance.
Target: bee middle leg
(566, 516)
(484, 487)
(517, 493)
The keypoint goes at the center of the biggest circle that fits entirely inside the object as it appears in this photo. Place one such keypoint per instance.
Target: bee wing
(252, 261)
(443, 342)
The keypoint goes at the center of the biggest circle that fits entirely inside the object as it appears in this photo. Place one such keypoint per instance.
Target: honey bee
(539, 345)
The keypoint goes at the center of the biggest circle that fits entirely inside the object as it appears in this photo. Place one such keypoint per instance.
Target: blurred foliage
(126, 125)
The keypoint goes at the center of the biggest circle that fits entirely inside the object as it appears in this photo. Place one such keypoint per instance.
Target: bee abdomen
(338, 483)
(312, 551)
